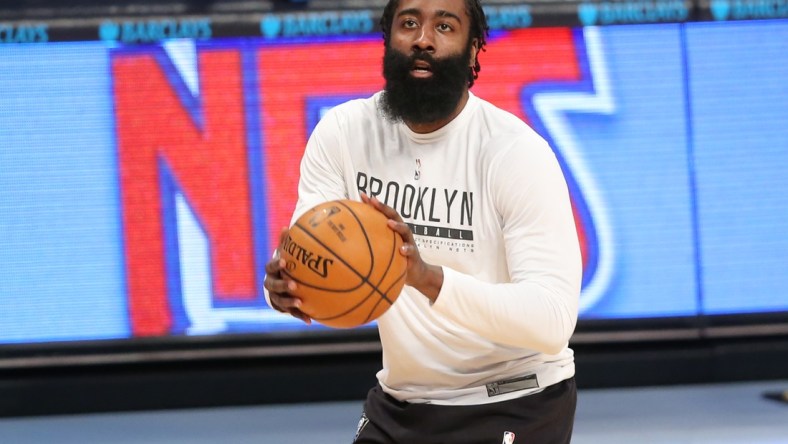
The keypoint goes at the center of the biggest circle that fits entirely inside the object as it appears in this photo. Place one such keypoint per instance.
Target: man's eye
(410, 23)
(444, 27)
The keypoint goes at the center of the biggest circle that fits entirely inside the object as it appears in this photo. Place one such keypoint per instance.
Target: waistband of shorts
(500, 390)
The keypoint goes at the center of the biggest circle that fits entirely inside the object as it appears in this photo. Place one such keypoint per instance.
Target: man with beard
(475, 349)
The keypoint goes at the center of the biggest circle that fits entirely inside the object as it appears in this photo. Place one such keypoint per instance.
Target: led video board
(143, 183)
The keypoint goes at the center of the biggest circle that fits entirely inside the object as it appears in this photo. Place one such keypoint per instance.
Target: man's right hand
(280, 288)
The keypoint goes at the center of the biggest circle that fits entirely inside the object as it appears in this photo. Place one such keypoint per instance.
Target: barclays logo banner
(508, 17)
(748, 9)
(317, 24)
(613, 13)
(155, 30)
(24, 33)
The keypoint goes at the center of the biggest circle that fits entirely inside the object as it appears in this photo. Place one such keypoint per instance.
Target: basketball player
(475, 350)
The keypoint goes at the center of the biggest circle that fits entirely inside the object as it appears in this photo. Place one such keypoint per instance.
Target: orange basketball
(346, 262)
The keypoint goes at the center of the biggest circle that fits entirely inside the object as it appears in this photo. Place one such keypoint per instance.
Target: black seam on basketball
(399, 278)
(384, 295)
(316, 287)
(396, 281)
(388, 266)
(353, 308)
(366, 237)
(374, 307)
(384, 298)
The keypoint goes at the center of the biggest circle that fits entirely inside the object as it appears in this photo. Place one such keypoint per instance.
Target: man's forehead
(445, 8)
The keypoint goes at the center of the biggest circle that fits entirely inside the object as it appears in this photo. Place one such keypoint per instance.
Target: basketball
(346, 262)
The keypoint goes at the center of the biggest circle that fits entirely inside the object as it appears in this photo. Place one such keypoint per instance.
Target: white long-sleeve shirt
(487, 201)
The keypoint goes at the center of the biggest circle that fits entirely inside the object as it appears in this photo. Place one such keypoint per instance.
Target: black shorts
(546, 417)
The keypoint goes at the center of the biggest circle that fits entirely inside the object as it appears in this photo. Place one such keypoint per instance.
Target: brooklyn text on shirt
(440, 218)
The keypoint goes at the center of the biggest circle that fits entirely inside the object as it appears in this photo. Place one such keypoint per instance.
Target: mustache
(422, 55)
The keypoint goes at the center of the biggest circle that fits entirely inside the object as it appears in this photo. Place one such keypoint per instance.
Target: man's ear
(474, 52)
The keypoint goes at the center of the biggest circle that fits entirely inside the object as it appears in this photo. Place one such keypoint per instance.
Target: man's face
(427, 61)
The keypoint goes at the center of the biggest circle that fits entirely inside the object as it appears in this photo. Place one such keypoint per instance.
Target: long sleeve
(538, 309)
(322, 176)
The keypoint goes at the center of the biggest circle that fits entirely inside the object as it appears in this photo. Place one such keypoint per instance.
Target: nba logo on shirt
(508, 438)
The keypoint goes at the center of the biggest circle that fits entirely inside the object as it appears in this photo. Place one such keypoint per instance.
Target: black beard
(415, 100)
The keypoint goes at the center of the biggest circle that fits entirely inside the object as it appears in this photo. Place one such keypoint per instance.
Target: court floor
(692, 414)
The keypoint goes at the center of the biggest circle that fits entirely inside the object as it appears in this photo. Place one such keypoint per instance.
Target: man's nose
(425, 40)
